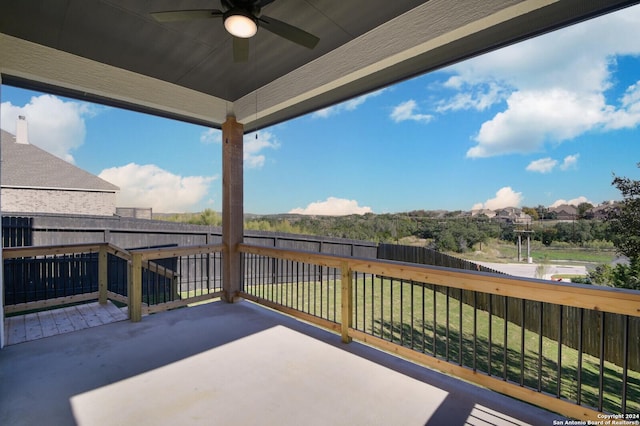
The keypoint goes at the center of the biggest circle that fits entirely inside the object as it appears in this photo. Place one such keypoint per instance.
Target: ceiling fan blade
(289, 32)
(240, 49)
(186, 15)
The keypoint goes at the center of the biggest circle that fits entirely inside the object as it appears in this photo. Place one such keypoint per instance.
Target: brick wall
(58, 201)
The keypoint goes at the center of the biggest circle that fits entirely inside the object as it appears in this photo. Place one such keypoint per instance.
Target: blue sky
(546, 121)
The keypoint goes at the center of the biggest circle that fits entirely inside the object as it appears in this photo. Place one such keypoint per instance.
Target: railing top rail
(323, 259)
(30, 251)
(615, 300)
(165, 252)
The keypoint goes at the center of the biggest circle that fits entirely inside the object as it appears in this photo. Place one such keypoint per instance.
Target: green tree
(209, 217)
(531, 212)
(583, 209)
(625, 221)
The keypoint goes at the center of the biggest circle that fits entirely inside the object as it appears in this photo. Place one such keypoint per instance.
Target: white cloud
(211, 136)
(407, 111)
(543, 165)
(535, 117)
(547, 164)
(554, 86)
(150, 186)
(54, 125)
(505, 197)
(349, 105)
(574, 202)
(333, 206)
(253, 146)
(479, 98)
(570, 161)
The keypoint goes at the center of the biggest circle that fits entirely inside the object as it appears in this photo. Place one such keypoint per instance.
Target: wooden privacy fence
(515, 310)
(425, 256)
(17, 231)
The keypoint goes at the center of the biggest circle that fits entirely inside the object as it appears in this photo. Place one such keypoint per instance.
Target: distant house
(34, 181)
(565, 212)
(602, 211)
(486, 212)
(512, 215)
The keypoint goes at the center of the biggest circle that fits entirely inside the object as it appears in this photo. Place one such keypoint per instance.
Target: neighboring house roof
(27, 166)
(566, 209)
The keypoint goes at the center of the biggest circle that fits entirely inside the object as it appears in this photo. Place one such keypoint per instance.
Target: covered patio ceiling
(114, 52)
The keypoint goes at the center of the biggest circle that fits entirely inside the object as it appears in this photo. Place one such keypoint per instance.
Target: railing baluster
(625, 365)
(401, 322)
(490, 353)
(373, 309)
(435, 322)
(505, 348)
(475, 330)
(424, 321)
(411, 283)
(540, 340)
(391, 299)
(522, 330)
(381, 307)
(447, 326)
(580, 353)
(460, 329)
(601, 365)
(560, 337)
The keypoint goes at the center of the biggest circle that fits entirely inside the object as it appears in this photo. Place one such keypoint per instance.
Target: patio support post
(232, 206)
(346, 316)
(102, 274)
(135, 288)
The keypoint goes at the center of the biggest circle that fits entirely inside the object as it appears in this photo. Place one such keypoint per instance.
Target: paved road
(534, 270)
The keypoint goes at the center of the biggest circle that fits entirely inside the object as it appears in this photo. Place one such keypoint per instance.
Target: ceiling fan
(241, 19)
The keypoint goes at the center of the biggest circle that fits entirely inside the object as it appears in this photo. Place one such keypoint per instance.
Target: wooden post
(103, 258)
(346, 285)
(232, 206)
(135, 288)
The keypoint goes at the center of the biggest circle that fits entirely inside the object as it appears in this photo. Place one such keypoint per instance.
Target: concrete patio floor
(240, 364)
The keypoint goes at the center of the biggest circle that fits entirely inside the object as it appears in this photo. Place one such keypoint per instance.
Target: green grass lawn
(502, 251)
(421, 319)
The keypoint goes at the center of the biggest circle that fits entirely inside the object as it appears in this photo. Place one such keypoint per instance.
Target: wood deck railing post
(232, 207)
(103, 258)
(135, 288)
(346, 285)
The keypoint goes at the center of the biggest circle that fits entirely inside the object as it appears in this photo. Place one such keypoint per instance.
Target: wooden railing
(195, 276)
(147, 281)
(48, 276)
(410, 310)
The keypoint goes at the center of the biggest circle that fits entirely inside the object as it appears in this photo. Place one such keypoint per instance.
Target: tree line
(452, 232)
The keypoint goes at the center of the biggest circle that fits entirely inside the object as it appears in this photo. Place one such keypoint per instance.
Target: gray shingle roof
(26, 165)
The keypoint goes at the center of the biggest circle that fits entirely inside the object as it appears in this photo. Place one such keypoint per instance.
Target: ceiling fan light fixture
(240, 24)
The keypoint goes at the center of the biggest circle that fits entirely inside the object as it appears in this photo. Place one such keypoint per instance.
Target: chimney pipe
(22, 131)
